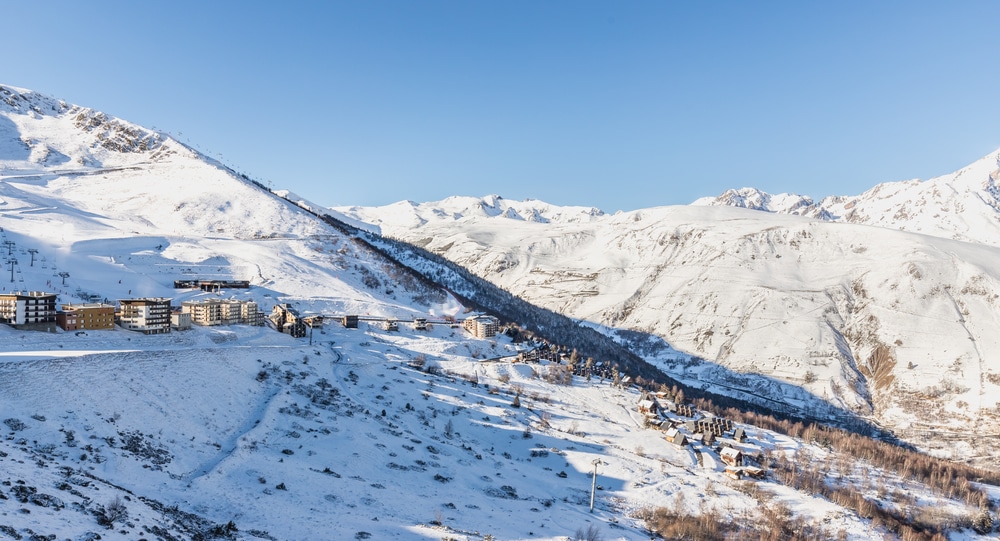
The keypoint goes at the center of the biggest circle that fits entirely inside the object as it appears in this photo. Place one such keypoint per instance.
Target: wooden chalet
(648, 407)
(708, 438)
(731, 456)
(676, 437)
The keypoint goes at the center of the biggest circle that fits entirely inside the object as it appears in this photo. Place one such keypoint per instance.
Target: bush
(592, 533)
(15, 424)
(113, 512)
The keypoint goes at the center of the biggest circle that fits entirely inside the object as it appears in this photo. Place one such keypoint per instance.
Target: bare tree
(113, 512)
(592, 533)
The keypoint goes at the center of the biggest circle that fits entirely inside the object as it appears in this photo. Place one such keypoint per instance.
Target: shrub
(15, 424)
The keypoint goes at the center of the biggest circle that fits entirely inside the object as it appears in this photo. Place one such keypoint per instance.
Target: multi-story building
(223, 312)
(147, 315)
(482, 326)
(287, 320)
(32, 309)
(86, 317)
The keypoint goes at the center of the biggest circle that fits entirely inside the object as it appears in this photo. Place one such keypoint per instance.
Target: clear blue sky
(619, 105)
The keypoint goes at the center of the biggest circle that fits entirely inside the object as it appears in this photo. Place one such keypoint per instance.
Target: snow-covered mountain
(964, 205)
(246, 433)
(810, 314)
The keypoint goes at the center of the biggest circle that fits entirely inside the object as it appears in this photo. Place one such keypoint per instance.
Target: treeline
(949, 479)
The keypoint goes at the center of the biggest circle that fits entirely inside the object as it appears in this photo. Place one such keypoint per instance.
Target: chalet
(708, 438)
(391, 324)
(146, 315)
(647, 407)
(349, 322)
(482, 326)
(740, 435)
(420, 324)
(89, 317)
(676, 437)
(731, 457)
(31, 310)
(734, 473)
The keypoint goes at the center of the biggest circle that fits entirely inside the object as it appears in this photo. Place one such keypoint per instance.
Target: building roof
(730, 452)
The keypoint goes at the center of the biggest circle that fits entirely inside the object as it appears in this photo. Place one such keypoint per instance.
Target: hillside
(237, 432)
(817, 317)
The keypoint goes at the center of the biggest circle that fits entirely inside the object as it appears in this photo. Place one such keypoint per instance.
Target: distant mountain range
(964, 205)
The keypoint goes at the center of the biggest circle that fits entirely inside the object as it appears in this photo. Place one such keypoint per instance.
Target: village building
(180, 321)
(34, 310)
(740, 435)
(314, 321)
(731, 456)
(86, 317)
(286, 319)
(420, 324)
(708, 438)
(66, 320)
(676, 437)
(146, 315)
(482, 326)
(211, 285)
(647, 407)
(349, 322)
(210, 312)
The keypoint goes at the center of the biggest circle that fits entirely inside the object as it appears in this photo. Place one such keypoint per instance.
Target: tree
(592, 533)
(983, 522)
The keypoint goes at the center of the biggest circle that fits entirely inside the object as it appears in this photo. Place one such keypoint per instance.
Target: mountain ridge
(854, 312)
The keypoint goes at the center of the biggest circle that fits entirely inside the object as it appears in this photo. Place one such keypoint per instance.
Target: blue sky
(618, 105)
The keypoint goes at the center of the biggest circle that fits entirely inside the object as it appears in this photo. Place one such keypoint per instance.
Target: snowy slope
(245, 433)
(796, 312)
(964, 205)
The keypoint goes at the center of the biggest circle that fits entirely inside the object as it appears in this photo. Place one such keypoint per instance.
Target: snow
(335, 437)
(776, 308)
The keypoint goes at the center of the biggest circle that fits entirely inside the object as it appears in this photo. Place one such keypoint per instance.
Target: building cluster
(36, 310)
(665, 414)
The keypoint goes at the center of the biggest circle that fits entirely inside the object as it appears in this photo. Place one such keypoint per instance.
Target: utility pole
(64, 276)
(593, 484)
(32, 251)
